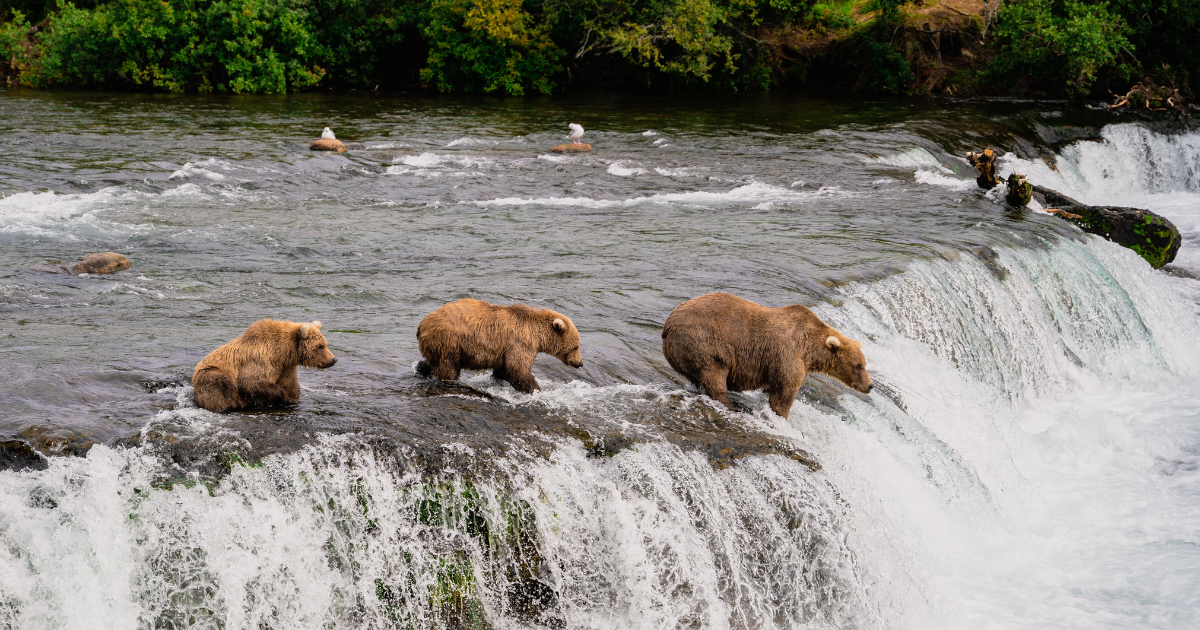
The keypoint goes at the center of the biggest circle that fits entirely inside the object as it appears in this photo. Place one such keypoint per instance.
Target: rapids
(1030, 457)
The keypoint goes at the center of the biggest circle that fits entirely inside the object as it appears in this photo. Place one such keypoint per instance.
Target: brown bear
(723, 343)
(259, 367)
(474, 335)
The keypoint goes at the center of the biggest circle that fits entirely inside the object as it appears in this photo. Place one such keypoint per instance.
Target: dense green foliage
(1073, 44)
(519, 47)
(493, 46)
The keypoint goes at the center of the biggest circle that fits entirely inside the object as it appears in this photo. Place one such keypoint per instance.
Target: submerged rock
(104, 262)
(572, 148)
(1019, 192)
(328, 144)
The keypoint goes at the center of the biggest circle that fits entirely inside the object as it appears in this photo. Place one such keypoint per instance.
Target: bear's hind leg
(216, 391)
(445, 370)
(712, 381)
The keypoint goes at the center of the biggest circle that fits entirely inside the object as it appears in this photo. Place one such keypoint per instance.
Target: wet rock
(328, 144)
(1152, 236)
(1019, 192)
(18, 455)
(572, 148)
(985, 163)
(105, 262)
(355, 146)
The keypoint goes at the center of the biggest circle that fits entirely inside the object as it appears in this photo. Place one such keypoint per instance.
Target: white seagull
(328, 134)
(576, 132)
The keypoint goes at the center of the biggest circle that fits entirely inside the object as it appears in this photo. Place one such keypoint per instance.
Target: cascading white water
(1132, 166)
(1039, 471)
(1031, 459)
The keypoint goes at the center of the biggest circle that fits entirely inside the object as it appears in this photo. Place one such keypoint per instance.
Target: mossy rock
(1019, 192)
(1152, 236)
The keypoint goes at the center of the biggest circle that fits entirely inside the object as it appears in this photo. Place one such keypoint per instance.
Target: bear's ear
(316, 324)
(305, 331)
(559, 326)
(833, 343)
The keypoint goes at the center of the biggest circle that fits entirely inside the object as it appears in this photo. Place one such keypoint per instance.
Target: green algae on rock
(1152, 236)
(1019, 192)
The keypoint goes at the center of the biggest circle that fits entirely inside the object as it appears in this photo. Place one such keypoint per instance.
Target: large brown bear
(474, 335)
(723, 343)
(259, 367)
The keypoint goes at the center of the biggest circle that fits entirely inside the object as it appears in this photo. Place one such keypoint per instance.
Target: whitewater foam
(620, 170)
(748, 194)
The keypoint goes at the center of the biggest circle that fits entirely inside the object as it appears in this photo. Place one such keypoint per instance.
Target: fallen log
(1150, 235)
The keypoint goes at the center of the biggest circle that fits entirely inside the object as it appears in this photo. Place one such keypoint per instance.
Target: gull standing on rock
(576, 132)
(328, 134)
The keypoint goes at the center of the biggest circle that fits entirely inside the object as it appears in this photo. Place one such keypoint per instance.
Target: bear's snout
(332, 360)
(577, 363)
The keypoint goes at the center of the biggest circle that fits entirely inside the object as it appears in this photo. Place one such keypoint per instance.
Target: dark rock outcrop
(104, 262)
(17, 455)
(1152, 236)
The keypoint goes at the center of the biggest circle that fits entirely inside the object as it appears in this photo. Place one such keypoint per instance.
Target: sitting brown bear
(474, 335)
(259, 367)
(723, 343)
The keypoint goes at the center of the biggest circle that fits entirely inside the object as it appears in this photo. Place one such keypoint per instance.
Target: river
(1030, 457)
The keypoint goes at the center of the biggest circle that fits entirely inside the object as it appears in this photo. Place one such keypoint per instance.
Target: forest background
(1075, 48)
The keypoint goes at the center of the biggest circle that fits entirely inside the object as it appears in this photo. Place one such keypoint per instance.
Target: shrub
(490, 45)
(1065, 42)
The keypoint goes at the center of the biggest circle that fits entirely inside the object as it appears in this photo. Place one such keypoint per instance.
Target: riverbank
(1023, 48)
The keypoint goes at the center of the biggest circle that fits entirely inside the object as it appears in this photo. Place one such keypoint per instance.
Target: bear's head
(314, 352)
(564, 341)
(847, 363)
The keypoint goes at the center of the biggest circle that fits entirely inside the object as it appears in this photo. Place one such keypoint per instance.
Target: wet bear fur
(474, 335)
(723, 343)
(258, 369)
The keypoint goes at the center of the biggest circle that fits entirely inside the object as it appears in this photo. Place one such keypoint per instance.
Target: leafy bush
(492, 45)
(1067, 42)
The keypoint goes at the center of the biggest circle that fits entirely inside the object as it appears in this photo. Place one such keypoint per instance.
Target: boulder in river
(572, 147)
(1019, 191)
(1152, 236)
(104, 262)
(328, 144)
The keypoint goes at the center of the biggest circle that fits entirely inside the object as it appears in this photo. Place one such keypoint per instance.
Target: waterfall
(1029, 459)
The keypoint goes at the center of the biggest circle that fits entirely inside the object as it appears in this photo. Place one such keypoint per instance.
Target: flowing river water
(1030, 457)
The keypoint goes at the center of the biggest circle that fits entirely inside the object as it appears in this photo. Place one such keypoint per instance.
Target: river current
(1030, 457)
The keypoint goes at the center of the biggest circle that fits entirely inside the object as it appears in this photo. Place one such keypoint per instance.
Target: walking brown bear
(259, 367)
(474, 335)
(723, 343)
